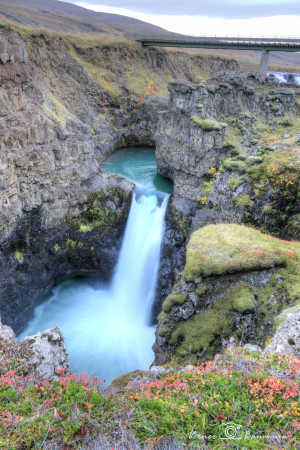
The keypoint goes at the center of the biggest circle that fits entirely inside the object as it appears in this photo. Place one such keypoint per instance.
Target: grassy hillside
(66, 17)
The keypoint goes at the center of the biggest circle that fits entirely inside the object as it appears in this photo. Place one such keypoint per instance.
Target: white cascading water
(285, 77)
(134, 283)
(107, 328)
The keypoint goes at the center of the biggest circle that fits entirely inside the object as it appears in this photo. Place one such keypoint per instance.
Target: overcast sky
(196, 17)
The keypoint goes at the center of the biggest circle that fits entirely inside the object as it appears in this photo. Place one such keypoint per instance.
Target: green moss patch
(198, 333)
(173, 299)
(228, 248)
(19, 256)
(165, 327)
(202, 333)
(97, 213)
(278, 177)
(201, 336)
(234, 165)
(242, 298)
(208, 124)
(244, 201)
(293, 226)
(281, 167)
(235, 182)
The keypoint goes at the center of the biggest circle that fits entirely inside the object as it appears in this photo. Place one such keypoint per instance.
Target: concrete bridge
(266, 45)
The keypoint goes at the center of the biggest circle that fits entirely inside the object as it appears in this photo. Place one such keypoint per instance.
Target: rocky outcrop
(286, 340)
(48, 354)
(235, 282)
(6, 334)
(12, 49)
(43, 354)
(60, 216)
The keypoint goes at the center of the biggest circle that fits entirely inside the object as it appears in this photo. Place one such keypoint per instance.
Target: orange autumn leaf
(88, 405)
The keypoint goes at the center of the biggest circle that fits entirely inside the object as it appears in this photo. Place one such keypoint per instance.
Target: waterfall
(134, 282)
(107, 328)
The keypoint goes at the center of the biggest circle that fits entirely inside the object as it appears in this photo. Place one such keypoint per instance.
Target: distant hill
(66, 17)
(63, 17)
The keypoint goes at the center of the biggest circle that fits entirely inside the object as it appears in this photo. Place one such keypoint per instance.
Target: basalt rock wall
(191, 136)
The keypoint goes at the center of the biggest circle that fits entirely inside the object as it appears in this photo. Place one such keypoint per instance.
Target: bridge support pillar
(264, 61)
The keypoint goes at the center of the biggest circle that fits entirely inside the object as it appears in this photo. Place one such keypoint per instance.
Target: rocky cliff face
(229, 145)
(191, 136)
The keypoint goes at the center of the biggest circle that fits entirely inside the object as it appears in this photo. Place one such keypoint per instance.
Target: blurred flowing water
(107, 326)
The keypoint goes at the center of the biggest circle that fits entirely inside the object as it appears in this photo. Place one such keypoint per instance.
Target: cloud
(201, 25)
(231, 9)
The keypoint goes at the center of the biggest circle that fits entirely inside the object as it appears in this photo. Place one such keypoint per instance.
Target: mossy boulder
(197, 334)
(228, 248)
(249, 278)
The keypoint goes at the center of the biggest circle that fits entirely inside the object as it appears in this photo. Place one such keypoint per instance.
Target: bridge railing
(260, 39)
(252, 36)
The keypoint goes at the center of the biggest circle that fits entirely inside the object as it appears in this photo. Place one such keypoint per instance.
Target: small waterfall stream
(107, 327)
(286, 77)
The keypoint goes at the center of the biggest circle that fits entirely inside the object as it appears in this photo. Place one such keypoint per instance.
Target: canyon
(223, 243)
(63, 217)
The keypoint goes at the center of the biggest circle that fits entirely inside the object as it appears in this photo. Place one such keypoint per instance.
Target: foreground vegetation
(243, 398)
